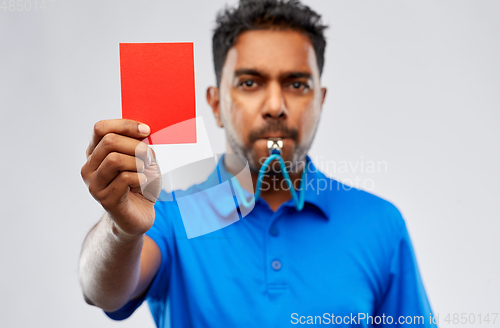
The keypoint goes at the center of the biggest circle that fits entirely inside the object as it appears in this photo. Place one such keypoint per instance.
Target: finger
(122, 127)
(151, 189)
(112, 142)
(114, 164)
(116, 192)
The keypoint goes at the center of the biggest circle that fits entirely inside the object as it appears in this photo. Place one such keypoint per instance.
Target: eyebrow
(297, 75)
(246, 71)
(289, 75)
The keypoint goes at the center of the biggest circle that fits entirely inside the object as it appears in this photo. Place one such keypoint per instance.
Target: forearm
(109, 265)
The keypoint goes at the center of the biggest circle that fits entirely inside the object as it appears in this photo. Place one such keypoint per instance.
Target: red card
(157, 81)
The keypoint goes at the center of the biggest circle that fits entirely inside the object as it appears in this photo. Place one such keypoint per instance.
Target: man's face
(270, 87)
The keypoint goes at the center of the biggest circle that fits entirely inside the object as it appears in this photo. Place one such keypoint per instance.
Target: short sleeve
(405, 295)
(158, 290)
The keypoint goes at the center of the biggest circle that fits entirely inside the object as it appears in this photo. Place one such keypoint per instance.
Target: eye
(299, 86)
(248, 85)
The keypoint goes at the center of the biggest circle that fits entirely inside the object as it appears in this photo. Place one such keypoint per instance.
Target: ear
(323, 95)
(214, 101)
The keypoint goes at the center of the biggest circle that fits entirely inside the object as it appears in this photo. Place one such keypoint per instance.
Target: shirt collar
(316, 185)
(219, 199)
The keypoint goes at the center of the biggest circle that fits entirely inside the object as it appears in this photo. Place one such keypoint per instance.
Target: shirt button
(274, 231)
(276, 265)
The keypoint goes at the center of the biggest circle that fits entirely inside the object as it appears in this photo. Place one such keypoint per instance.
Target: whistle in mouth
(274, 146)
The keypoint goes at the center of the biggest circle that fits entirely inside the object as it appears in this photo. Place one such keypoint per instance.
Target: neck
(274, 189)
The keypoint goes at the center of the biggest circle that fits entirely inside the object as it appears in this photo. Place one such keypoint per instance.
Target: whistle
(274, 146)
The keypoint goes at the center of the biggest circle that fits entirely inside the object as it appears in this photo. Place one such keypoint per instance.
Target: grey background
(412, 83)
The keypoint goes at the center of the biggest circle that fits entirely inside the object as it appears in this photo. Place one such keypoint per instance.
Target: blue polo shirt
(345, 259)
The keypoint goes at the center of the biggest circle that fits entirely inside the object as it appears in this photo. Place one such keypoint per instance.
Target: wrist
(118, 234)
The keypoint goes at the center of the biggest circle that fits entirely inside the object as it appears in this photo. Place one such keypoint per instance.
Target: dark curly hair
(265, 14)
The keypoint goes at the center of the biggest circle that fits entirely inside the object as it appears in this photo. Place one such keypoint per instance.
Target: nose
(274, 107)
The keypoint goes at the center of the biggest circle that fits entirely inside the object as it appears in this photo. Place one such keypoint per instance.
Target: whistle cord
(298, 200)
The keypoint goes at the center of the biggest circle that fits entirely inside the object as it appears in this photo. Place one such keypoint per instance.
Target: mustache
(274, 127)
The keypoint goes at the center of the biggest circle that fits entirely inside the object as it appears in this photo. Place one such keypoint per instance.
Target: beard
(293, 156)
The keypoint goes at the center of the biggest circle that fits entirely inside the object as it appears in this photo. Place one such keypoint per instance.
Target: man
(345, 258)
